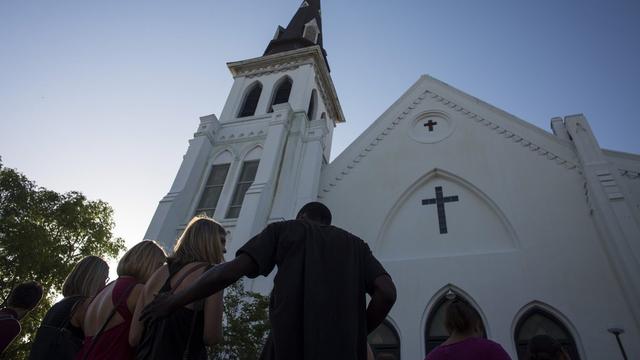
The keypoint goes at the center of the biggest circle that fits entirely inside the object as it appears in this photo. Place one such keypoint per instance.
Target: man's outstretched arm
(209, 283)
(382, 299)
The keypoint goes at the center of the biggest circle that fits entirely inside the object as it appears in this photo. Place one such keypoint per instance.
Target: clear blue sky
(102, 96)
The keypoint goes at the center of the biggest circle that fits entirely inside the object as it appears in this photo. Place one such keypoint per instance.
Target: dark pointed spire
(304, 30)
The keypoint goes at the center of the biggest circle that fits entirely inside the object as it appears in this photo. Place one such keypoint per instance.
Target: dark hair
(461, 317)
(25, 296)
(544, 347)
(317, 212)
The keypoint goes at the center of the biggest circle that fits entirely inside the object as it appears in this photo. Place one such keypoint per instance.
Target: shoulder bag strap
(113, 312)
(197, 308)
(75, 307)
(185, 275)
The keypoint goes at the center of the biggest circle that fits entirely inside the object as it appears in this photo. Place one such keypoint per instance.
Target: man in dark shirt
(22, 299)
(318, 306)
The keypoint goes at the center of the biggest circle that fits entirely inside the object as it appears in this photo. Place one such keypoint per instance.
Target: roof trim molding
(505, 134)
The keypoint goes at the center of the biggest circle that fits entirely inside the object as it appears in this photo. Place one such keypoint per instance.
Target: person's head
(462, 319)
(87, 277)
(315, 212)
(141, 260)
(203, 240)
(24, 297)
(544, 347)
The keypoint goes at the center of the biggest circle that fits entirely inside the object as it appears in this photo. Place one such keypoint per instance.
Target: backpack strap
(199, 306)
(184, 276)
(104, 325)
(74, 308)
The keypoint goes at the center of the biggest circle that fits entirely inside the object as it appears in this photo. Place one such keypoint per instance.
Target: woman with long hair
(185, 333)
(108, 318)
(60, 334)
(465, 340)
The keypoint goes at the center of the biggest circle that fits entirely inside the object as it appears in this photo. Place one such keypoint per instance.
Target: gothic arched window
(251, 101)
(282, 92)
(436, 332)
(385, 342)
(215, 182)
(312, 105)
(540, 322)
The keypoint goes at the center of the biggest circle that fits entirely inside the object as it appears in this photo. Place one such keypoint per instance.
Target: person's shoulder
(493, 348)
(9, 322)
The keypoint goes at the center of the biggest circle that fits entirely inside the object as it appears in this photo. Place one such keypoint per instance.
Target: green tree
(42, 235)
(246, 325)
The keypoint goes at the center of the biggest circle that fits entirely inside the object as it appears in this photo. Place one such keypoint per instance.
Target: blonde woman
(108, 318)
(60, 335)
(185, 333)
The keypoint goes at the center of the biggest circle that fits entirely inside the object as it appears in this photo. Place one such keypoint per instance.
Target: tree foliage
(246, 325)
(42, 235)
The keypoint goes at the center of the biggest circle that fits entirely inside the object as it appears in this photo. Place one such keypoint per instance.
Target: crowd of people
(171, 307)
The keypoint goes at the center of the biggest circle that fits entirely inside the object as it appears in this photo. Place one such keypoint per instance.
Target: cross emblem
(439, 201)
(430, 124)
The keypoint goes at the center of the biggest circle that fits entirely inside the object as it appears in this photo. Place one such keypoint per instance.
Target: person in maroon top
(465, 341)
(22, 299)
(318, 308)
(108, 316)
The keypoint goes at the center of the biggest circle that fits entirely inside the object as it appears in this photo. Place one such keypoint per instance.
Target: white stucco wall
(539, 242)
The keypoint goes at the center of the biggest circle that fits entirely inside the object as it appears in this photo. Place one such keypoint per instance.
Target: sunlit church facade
(539, 231)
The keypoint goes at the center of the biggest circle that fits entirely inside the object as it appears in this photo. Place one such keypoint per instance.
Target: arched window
(385, 342)
(312, 105)
(282, 93)
(436, 331)
(251, 101)
(539, 322)
(215, 182)
(247, 176)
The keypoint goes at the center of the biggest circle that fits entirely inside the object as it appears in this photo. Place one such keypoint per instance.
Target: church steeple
(304, 30)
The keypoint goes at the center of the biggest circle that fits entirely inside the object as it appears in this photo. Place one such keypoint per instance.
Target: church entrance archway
(385, 342)
(435, 330)
(539, 322)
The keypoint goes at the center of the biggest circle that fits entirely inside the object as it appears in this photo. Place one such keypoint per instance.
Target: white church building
(539, 231)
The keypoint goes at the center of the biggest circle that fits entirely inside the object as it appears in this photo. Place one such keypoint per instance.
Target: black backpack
(54, 342)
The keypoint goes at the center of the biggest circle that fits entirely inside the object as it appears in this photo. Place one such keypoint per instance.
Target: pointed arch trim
(454, 178)
(251, 152)
(554, 314)
(276, 88)
(436, 300)
(221, 157)
(242, 110)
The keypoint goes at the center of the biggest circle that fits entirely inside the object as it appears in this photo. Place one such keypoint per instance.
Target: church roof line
(505, 133)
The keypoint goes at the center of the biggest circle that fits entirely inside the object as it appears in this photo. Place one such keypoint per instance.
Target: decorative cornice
(241, 136)
(497, 129)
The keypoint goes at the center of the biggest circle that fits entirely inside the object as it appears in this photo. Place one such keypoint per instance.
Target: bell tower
(261, 160)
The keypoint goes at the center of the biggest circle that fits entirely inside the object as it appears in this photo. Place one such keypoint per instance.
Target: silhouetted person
(60, 334)
(465, 340)
(185, 333)
(22, 299)
(544, 347)
(108, 318)
(318, 306)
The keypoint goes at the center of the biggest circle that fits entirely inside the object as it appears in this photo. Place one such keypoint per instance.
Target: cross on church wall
(439, 201)
(430, 124)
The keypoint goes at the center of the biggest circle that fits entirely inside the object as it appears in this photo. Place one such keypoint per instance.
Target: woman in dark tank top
(83, 282)
(185, 333)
